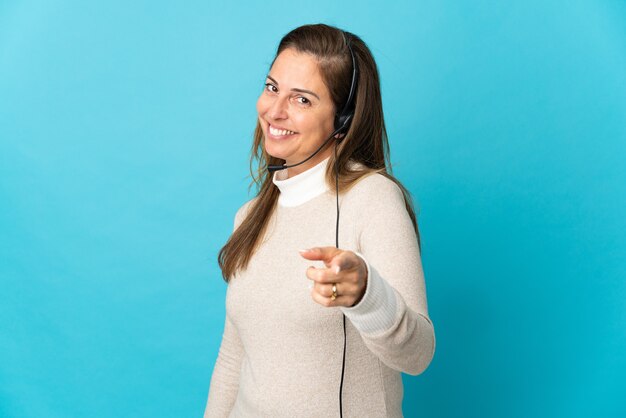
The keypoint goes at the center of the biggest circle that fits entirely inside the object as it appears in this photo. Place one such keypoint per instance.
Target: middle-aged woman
(323, 312)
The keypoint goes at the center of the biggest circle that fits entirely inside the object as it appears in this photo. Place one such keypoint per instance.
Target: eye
(303, 100)
(270, 88)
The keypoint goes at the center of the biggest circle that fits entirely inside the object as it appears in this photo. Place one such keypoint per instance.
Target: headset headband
(343, 119)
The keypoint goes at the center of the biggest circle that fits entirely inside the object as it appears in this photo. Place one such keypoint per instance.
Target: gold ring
(334, 295)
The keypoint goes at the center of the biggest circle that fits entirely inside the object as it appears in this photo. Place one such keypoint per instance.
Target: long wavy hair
(365, 142)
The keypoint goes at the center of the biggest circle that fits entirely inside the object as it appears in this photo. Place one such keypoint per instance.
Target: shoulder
(243, 210)
(375, 187)
(376, 207)
(373, 196)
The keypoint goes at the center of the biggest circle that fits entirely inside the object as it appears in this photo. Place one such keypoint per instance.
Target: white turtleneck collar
(302, 187)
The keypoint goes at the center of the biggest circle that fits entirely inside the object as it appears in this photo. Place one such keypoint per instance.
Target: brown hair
(365, 142)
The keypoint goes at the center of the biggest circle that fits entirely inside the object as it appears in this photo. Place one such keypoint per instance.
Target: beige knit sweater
(281, 352)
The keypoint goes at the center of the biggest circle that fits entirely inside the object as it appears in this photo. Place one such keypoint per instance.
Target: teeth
(280, 132)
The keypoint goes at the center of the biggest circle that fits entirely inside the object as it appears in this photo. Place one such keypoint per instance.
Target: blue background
(125, 130)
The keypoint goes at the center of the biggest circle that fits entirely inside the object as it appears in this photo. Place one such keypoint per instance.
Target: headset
(342, 123)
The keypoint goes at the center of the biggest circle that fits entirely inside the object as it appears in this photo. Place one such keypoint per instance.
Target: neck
(296, 189)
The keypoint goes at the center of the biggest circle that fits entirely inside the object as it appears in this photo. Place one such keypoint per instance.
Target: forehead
(293, 69)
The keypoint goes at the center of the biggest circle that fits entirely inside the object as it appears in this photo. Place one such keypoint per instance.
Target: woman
(287, 348)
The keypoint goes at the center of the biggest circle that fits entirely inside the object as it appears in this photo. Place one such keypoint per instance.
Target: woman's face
(295, 110)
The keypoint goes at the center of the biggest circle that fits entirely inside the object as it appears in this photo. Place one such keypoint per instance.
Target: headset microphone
(272, 168)
(345, 124)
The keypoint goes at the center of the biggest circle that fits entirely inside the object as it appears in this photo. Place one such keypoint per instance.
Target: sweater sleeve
(392, 316)
(225, 379)
(224, 384)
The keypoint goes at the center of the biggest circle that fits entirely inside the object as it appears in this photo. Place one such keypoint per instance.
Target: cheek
(261, 105)
(311, 122)
(324, 125)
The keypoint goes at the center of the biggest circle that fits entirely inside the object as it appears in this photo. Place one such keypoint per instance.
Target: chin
(274, 151)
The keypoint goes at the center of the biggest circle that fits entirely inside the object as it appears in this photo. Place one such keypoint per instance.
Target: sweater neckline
(302, 187)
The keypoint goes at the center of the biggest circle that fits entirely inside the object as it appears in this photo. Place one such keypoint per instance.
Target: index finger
(325, 254)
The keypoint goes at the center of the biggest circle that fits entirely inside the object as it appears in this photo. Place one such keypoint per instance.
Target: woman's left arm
(381, 288)
(392, 316)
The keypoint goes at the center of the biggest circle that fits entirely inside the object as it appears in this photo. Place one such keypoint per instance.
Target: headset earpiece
(342, 124)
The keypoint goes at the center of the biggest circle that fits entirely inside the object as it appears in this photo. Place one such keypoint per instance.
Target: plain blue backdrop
(125, 131)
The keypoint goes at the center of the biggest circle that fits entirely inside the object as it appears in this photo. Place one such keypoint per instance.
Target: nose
(278, 109)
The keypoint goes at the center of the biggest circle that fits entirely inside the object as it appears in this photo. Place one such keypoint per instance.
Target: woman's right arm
(225, 379)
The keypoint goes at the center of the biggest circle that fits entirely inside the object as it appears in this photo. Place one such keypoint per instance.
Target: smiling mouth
(280, 133)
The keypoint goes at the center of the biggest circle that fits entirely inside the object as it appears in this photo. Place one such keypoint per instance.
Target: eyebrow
(298, 90)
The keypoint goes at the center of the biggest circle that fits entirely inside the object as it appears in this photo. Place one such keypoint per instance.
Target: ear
(339, 136)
